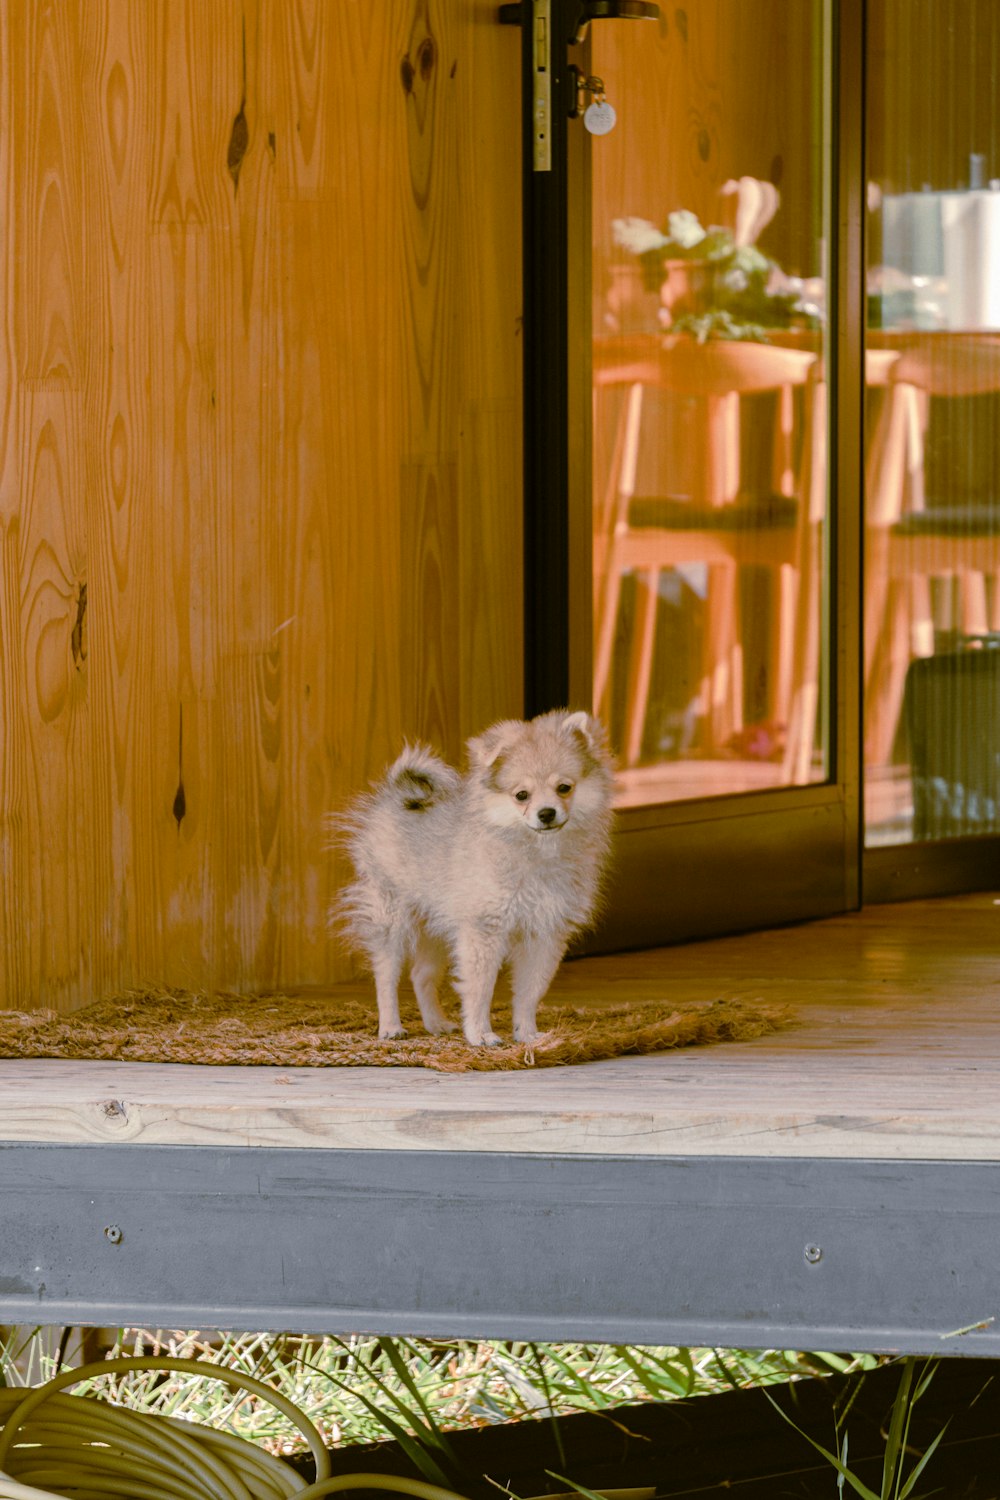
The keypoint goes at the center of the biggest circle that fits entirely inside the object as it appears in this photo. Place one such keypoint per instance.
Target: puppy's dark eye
(564, 788)
(522, 795)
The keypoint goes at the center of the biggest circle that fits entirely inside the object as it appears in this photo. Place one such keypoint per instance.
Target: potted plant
(714, 281)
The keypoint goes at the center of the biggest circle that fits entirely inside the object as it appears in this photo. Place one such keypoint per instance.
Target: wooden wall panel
(484, 73)
(259, 461)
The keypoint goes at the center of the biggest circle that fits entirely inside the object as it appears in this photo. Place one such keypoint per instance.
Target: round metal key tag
(599, 117)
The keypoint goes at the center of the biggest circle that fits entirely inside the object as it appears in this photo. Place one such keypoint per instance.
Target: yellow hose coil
(51, 1443)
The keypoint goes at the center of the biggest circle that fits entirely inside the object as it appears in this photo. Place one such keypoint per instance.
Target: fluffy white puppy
(499, 865)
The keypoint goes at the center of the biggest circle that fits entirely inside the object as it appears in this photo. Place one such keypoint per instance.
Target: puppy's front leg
(427, 970)
(533, 965)
(387, 965)
(477, 963)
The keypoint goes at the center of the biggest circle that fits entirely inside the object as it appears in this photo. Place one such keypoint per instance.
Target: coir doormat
(335, 1031)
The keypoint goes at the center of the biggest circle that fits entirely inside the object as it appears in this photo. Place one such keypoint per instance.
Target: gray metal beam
(700, 1250)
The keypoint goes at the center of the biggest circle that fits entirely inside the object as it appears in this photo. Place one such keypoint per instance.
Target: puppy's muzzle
(548, 820)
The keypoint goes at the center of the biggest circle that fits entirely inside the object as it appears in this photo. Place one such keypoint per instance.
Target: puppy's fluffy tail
(370, 829)
(418, 780)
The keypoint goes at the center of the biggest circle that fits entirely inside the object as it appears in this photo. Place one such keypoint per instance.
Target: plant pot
(686, 287)
(630, 305)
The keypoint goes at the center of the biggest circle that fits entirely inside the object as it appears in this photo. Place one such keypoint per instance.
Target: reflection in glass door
(693, 326)
(932, 510)
(710, 213)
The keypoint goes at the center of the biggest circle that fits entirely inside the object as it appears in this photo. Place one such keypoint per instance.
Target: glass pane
(709, 234)
(932, 508)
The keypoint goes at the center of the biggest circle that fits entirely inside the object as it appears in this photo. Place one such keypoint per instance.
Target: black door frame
(547, 337)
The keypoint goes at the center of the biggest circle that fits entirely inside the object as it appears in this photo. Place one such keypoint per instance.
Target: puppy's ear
(591, 730)
(589, 736)
(487, 747)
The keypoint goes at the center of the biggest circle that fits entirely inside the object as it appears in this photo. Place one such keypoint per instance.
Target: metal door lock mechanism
(590, 100)
(598, 116)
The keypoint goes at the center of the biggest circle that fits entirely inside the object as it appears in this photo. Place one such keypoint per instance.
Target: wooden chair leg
(641, 666)
(884, 699)
(736, 684)
(975, 611)
(782, 650)
(605, 510)
(922, 633)
(605, 644)
(626, 457)
(993, 595)
(719, 688)
(802, 718)
(876, 596)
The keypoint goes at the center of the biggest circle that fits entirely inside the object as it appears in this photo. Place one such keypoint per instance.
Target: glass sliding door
(710, 260)
(932, 510)
(714, 382)
(762, 429)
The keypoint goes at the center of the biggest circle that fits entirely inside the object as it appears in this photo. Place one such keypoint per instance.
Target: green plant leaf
(895, 1440)
(660, 1373)
(717, 244)
(406, 1380)
(728, 1375)
(411, 1446)
(556, 1431)
(894, 1487)
(576, 1382)
(921, 1465)
(426, 1431)
(856, 1484)
(571, 1484)
(649, 1383)
(928, 1376)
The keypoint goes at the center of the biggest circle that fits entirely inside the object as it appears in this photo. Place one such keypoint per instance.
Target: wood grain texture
(890, 1056)
(259, 460)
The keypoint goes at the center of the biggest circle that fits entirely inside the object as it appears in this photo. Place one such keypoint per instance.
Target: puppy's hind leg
(387, 965)
(477, 963)
(533, 965)
(430, 959)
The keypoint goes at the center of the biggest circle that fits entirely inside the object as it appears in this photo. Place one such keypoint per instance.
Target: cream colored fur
(468, 872)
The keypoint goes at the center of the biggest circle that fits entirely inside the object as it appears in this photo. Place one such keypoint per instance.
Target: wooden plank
(889, 1056)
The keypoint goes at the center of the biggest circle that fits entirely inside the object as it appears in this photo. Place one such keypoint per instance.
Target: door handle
(611, 10)
(518, 12)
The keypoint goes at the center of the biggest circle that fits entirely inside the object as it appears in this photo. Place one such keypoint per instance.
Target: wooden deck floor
(893, 1053)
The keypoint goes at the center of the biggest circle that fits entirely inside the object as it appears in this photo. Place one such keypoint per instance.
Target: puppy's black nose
(546, 815)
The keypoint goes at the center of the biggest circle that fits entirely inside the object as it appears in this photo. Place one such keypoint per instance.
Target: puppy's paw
(391, 1033)
(484, 1039)
(444, 1027)
(529, 1038)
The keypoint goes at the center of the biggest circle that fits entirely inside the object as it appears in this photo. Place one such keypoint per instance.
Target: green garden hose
(54, 1445)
